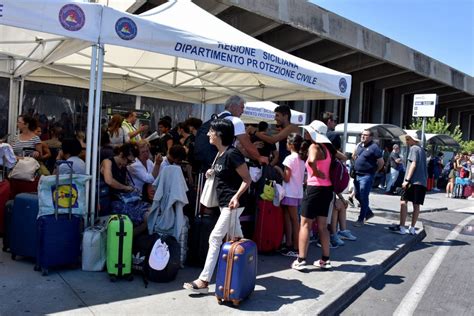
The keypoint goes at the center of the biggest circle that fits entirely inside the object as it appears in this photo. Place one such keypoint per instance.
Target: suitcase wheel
(13, 256)
(219, 301)
(44, 272)
(37, 268)
(236, 303)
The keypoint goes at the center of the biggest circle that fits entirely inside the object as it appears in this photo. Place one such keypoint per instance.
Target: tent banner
(255, 112)
(223, 45)
(72, 19)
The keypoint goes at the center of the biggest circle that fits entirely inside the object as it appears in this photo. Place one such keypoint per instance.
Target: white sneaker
(298, 265)
(323, 265)
(346, 234)
(403, 231)
(448, 195)
(412, 230)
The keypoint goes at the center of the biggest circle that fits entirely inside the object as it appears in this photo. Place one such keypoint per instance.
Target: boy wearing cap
(414, 185)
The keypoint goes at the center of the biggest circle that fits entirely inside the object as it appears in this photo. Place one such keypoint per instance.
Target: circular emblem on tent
(71, 17)
(126, 29)
(342, 85)
(300, 118)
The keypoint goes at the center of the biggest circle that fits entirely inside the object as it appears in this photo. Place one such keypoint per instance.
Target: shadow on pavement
(277, 292)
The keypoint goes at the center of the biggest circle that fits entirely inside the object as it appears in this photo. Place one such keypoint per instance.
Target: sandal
(193, 287)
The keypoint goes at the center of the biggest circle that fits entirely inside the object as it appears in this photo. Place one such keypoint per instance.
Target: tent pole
(12, 101)
(346, 122)
(90, 120)
(203, 101)
(20, 101)
(96, 129)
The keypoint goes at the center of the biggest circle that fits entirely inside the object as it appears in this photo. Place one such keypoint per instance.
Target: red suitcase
(4, 197)
(430, 184)
(22, 186)
(269, 229)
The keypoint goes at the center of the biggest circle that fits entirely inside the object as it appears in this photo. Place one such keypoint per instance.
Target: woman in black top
(233, 180)
(114, 169)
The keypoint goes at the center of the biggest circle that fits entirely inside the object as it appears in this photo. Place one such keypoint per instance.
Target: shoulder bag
(209, 192)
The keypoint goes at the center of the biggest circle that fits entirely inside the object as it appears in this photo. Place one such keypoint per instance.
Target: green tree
(440, 126)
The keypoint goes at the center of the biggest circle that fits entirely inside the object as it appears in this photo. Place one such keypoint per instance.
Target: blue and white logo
(342, 85)
(71, 17)
(126, 29)
(300, 118)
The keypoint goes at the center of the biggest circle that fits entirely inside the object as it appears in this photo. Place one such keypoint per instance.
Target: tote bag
(209, 192)
(25, 169)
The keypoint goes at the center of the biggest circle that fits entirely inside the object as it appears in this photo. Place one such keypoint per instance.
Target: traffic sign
(142, 115)
(424, 105)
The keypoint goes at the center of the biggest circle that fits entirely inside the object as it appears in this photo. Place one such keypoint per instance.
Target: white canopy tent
(176, 51)
(255, 112)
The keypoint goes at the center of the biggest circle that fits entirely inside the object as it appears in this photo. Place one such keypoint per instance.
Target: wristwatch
(408, 180)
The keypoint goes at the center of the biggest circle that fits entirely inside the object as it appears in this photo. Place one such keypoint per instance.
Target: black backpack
(204, 152)
(142, 247)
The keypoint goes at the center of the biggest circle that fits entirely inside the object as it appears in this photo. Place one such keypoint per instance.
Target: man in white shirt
(235, 106)
(143, 170)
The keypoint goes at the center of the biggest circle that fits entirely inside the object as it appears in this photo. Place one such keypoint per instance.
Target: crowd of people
(132, 157)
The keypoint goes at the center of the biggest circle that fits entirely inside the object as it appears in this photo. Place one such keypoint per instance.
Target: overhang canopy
(435, 139)
(381, 131)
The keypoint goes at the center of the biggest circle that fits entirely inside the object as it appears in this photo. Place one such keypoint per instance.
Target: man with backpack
(205, 152)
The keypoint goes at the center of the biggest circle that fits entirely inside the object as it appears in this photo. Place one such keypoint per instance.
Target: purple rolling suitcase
(59, 237)
(236, 271)
(22, 225)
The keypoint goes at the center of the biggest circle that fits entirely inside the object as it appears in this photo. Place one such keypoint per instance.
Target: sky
(440, 29)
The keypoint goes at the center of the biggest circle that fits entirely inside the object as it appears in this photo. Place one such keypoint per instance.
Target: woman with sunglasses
(114, 173)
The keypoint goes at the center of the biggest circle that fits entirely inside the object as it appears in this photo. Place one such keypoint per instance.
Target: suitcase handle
(56, 195)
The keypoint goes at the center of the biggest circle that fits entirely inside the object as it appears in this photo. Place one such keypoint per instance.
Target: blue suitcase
(59, 241)
(236, 271)
(59, 235)
(22, 225)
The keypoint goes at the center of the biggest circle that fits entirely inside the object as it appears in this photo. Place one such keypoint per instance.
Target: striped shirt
(18, 145)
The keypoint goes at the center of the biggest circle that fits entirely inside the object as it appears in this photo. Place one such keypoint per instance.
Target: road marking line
(411, 300)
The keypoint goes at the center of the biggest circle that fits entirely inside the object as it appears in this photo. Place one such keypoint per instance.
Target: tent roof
(381, 131)
(255, 112)
(435, 139)
(176, 51)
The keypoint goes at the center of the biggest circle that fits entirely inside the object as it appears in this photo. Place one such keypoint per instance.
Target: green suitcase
(119, 247)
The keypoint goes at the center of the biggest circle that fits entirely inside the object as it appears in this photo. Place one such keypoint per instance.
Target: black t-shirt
(228, 180)
(159, 145)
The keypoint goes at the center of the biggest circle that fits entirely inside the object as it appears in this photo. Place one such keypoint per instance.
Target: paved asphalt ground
(279, 289)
